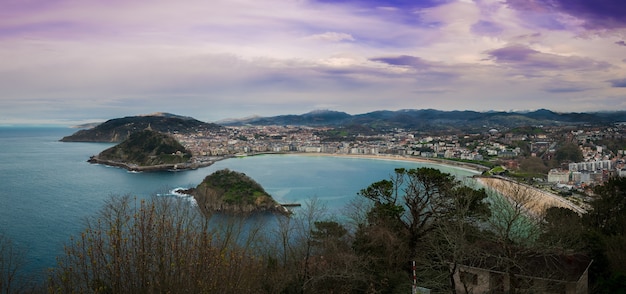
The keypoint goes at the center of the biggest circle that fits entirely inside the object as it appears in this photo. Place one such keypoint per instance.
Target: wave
(181, 196)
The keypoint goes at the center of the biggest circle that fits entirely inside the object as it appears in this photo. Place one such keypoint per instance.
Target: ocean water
(47, 188)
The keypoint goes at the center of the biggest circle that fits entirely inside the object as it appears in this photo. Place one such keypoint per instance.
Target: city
(535, 154)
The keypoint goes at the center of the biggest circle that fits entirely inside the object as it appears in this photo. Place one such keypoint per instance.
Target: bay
(47, 188)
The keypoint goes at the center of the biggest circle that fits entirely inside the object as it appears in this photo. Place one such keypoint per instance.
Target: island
(148, 150)
(232, 192)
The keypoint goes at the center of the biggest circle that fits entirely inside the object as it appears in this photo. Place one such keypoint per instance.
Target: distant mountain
(313, 118)
(118, 130)
(436, 119)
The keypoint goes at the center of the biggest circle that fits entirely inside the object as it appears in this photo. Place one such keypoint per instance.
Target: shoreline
(462, 165)
(534, 200)
(539, 200)
(150, 168)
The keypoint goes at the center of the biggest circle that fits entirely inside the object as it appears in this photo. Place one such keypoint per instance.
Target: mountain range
(117, 130)
(434, 119)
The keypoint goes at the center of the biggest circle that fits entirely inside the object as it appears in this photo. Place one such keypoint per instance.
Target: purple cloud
(404, 60)
(525, 57)
(398, 4)
(621, 43)
(618, 83)
(486, 28)
(565, 87)
(514, 53)
(601, 14)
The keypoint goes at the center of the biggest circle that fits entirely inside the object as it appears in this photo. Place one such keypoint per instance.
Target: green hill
(119, 129)
(233, 192)
(145, 148)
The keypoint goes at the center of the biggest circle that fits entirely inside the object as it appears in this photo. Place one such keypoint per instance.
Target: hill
(417, 119)
(119, 129)
(146, 150)
(233, 192)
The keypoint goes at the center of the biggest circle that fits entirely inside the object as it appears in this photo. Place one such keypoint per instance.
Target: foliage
(600, 233)
(147, 148)
(235, 187)
(533, 165)
(13, 278)
(118, 129)
(408, 209)
(568, 152)
(160, 245)
(423, 214)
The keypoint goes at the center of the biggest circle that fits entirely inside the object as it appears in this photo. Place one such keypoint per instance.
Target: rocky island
(231, 192)
(148, 150)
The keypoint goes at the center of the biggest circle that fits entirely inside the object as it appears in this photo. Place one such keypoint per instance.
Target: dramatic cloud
(604, 14)
(619, 83)
(487, 28)
(404, 60)
(67, 60)
(523, 56)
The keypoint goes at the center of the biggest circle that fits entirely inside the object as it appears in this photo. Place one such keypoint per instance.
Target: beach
(456, 164)
(535, 201)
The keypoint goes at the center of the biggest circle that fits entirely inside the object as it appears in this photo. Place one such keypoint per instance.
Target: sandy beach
(534, 200)
(468, 166)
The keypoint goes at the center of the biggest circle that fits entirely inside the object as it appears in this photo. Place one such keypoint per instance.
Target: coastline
(149, 168)
(467, 166)
(538, 200)
(534, 200)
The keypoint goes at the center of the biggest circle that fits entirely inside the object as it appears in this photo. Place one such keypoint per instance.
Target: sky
(75, 61)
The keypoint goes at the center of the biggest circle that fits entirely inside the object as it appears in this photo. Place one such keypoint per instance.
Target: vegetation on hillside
(235, 187)
(233, 192)
(147, 148)
(119, 129)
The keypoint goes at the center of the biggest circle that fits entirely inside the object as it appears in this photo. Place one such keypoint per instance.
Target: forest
(419, 228)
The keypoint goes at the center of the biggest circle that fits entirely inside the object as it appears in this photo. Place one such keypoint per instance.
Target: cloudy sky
(71, 61)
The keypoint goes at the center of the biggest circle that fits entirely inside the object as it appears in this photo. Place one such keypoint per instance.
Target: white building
(558, 176)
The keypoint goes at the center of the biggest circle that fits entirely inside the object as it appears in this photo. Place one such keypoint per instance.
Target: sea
(48, 189)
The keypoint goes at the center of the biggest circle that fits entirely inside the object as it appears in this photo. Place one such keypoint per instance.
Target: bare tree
(155, 245)
(12, 263)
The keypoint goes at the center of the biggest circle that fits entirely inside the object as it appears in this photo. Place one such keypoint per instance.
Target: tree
(413, 200)
(454, 240)
(533, 165)
(605, 232)
(12, 263)
(519, 245)
(406, 209)
(334, 266)
(156, 245)
(569, 152)
(562, 228)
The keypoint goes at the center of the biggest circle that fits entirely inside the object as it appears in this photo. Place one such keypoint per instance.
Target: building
(548, 274)
(591, 165)
(558, 176)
